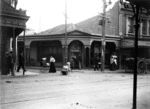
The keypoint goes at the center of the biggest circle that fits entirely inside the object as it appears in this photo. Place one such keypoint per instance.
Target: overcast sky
(45, 14)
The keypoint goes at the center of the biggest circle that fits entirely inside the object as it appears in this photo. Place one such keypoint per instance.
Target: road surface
(81, 89)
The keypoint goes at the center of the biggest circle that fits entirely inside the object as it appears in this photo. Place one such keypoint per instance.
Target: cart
(143, 65)
(66, 69)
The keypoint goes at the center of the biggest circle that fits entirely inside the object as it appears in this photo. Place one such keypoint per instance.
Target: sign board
(130, 43)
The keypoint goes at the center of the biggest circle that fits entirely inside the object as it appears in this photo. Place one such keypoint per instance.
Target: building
(83, 43)
(85, 39)
(12, 23)
(127, 34)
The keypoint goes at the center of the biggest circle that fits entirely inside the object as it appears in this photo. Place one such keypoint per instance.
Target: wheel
(141, 67)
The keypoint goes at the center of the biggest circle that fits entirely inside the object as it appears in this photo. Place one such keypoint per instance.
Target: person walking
(52, 68)
(21, 62)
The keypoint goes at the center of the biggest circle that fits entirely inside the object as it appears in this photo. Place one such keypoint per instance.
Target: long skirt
(52, 68)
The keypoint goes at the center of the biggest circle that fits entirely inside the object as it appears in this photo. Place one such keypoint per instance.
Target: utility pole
(103, 37)
(66, 37)
(103, 34)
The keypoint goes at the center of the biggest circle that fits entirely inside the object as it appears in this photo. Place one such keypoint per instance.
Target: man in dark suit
(21, 62)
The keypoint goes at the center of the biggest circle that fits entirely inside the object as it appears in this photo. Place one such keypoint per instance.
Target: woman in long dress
(52, 65)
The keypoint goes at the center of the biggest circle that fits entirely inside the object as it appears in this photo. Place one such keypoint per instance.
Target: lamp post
(103, 34)
(137, 7)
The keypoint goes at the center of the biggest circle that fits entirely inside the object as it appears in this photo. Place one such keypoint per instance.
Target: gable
(78, 33)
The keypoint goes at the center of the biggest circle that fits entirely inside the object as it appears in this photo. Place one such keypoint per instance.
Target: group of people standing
(113, 62)
(10, 63)
(52, 68)
(76, 62)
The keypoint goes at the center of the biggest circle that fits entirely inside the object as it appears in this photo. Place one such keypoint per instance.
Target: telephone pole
(103, 34)
(66, 37)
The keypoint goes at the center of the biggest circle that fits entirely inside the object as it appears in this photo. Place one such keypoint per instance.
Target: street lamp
(103, 34)
(137, 7)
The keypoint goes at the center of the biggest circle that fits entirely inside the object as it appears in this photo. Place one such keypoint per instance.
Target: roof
(60, 29)
(89, 26)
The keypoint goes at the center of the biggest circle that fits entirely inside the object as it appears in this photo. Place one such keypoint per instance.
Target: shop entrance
(75, 54)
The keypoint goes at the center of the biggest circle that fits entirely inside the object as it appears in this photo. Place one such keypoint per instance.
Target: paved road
(81, 89)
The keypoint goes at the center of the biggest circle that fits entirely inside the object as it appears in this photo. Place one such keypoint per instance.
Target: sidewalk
(18, 74)
(36, 71)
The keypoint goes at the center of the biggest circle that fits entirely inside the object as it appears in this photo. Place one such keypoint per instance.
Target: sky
(46, 14)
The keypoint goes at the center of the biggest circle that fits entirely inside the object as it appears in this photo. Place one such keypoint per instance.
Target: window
(130, 25)
(144, 26)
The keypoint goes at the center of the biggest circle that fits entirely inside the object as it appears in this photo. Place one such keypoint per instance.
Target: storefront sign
(130, 43)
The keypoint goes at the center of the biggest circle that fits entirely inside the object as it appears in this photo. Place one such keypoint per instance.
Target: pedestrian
(10, 63)
(44, 64)
(113, 62)
(21, 62)
(96, 67)
(79, 61)
(69, 66)
(52, 68)
(72, 63)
